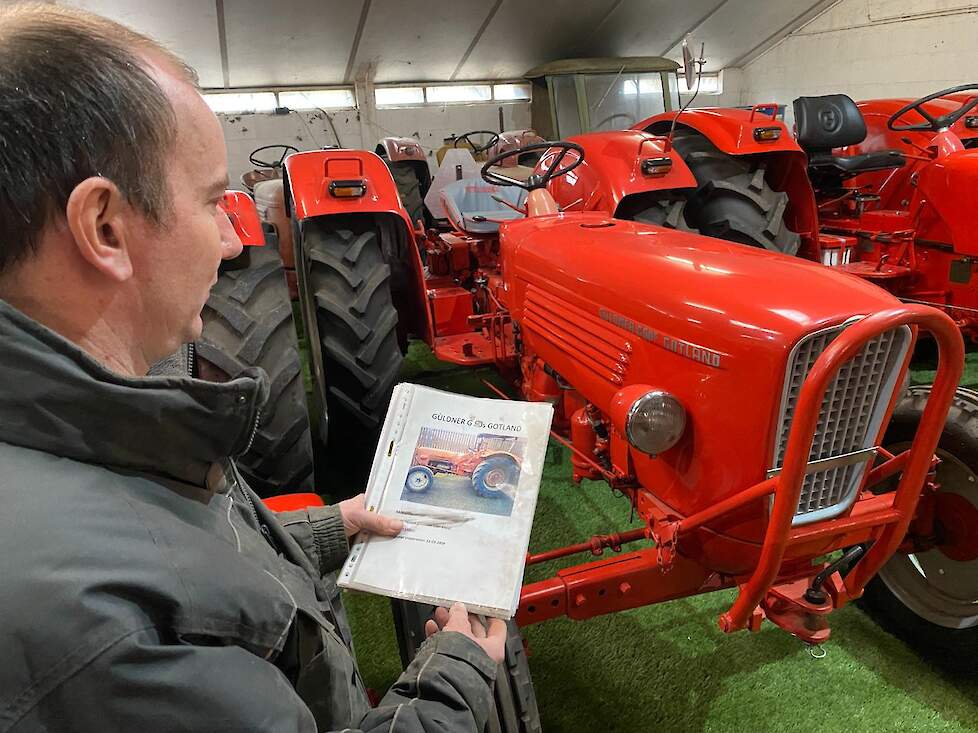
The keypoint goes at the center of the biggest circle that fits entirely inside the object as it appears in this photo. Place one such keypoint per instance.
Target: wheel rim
(933, 584)
(417, 481)
(495, 478)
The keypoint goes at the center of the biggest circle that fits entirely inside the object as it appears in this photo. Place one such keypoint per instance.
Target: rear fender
(612, 170)
(307, 193)
(243, 215)
(732, 132)
(400, 148)
(240, 208)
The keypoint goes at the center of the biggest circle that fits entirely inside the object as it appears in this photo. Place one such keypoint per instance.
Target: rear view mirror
(689, 66)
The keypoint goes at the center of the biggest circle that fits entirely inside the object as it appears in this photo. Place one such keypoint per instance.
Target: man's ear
(96, 219)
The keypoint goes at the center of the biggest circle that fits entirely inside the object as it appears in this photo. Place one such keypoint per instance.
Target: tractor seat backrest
(456, 161)
(470, 206)
(831, 121)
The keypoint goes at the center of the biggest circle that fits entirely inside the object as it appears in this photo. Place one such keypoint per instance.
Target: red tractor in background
(748, 434)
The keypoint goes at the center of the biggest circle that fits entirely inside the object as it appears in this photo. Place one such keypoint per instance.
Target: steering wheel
(933, 124)
(259, 163)
(493, 139)
(537, 180)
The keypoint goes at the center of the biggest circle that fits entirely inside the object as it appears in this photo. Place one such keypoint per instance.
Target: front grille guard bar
(916, 461)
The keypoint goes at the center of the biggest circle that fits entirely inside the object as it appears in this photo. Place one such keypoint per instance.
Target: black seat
(850, 165)
(834, 121)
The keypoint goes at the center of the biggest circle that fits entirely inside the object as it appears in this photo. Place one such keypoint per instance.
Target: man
(144, 585)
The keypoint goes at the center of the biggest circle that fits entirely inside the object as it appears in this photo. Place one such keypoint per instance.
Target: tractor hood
(727, 297)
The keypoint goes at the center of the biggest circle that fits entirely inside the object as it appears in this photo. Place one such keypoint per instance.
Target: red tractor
(492, 463)
(880, 190)
(754, 436)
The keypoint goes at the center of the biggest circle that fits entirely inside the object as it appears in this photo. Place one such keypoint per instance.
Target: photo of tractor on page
(456, 470)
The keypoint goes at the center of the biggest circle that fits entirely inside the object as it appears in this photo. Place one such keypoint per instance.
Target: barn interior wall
(870, 48)
(311, 130)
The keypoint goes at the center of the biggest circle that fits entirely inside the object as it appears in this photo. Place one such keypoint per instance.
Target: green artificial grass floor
(668, 667)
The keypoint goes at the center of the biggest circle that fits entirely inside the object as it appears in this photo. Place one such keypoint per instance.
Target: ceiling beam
(475, 39)
(693, 27)
(802, 19)
(364, 12)
(222, 39)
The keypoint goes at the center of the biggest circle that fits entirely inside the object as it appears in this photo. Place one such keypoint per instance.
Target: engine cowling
(608, 304)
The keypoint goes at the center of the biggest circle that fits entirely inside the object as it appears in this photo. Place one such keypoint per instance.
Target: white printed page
(463, 473)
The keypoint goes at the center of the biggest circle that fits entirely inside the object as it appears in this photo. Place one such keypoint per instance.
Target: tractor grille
(851, 415)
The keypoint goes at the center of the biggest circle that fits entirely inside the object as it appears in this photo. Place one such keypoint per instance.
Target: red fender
(733, 132)
(309, 177)
(240, 208)
(401, 148)
(612, 170)
(311, 174)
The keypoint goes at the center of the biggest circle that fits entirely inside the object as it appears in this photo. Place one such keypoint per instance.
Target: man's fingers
(497, 627)
(430, 627)
(441, 617)
(478, 630)
(379, 524)
(458, 619)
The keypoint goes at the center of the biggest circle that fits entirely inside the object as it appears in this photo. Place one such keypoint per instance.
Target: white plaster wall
(311, 130)
(870, 48)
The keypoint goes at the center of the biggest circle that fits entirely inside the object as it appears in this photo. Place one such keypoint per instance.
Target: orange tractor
(492, 465)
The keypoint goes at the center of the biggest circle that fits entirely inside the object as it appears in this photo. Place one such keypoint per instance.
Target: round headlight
(655, 422)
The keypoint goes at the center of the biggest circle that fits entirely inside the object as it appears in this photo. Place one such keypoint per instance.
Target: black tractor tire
(733, 200)
(495, 467)
(898, 598)
(409, 187)
(516, 709)
(663, 212)
(350, 284)
(248, 323)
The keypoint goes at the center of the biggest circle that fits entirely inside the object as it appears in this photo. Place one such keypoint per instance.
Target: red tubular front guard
(895, 515)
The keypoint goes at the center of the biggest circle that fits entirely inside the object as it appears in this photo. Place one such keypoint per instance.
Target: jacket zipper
(191, 359)
(262, 527)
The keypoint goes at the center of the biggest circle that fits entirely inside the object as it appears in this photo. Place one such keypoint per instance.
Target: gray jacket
(143, 585)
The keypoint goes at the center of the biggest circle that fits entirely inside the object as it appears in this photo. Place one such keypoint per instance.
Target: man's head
(111, 171)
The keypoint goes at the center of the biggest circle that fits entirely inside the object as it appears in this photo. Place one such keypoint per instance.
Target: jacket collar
(57, 399)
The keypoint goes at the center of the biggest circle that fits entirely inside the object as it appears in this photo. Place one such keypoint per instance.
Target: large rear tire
(516, 708)
(732, 201)
(350, 286)
(928, 599)
(248, 323)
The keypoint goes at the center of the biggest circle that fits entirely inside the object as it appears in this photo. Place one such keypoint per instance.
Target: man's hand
(492, 640)
(356, 518)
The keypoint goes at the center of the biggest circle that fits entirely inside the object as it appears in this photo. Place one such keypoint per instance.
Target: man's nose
(230, 241)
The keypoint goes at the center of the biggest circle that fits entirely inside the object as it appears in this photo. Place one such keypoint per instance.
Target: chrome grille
(850, 418)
